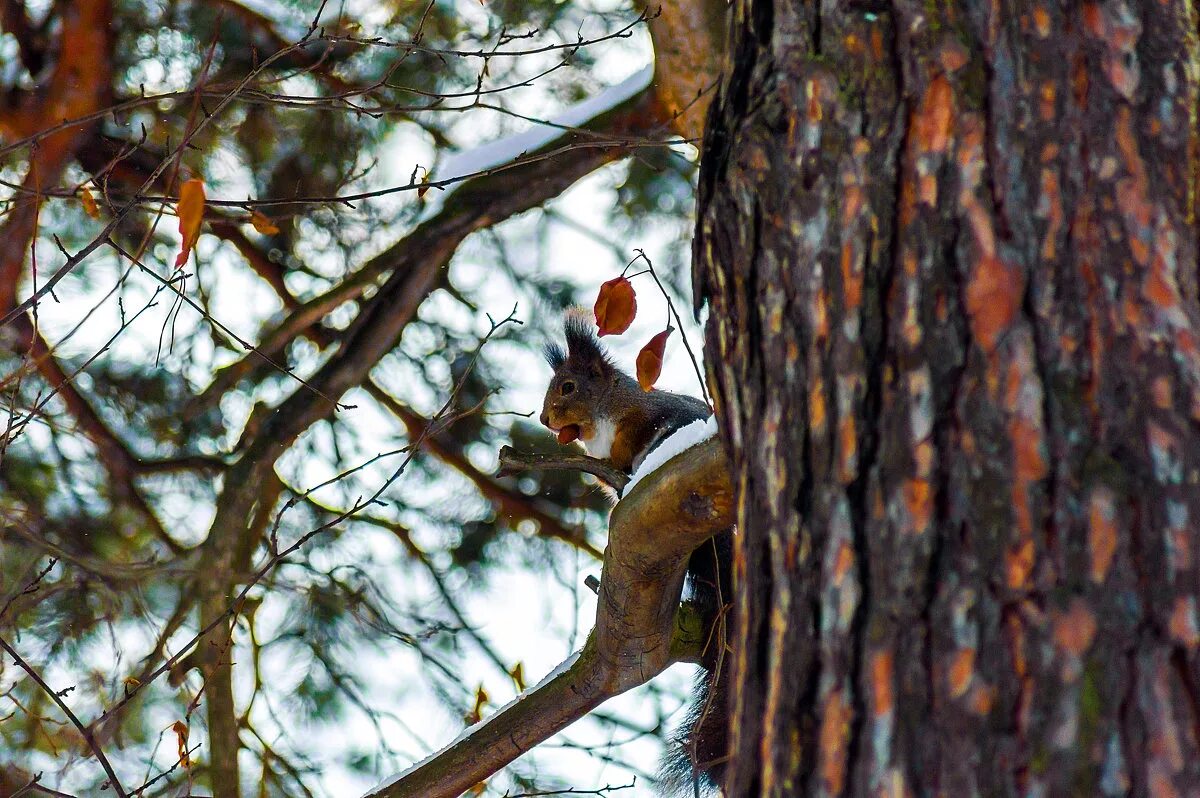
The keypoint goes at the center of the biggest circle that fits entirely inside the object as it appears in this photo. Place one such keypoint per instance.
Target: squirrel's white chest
(601, 443)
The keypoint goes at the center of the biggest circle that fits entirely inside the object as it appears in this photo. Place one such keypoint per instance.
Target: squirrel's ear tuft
(582, 342)
(554, 355)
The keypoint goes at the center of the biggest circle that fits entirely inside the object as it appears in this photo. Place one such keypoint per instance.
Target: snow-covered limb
(678, 441)
(652, 532)
(506, 150)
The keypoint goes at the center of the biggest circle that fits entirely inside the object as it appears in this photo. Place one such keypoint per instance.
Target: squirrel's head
(583, 376)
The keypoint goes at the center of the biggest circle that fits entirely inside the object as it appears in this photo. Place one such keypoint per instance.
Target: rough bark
(689, 52)
(950, 256)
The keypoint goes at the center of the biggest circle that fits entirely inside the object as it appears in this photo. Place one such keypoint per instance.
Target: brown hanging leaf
(650, 360)
(518, 676)
(481, 700)
(89, 203)
(262, 224)
(190, 210)
(181, 736)
(616, 306)
(424, 187)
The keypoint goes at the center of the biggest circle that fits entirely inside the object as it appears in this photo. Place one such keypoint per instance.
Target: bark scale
(950, 253)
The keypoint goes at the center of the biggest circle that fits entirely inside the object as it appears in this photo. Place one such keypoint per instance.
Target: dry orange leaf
(481, 700)
(518, 676)
(89, 203)
(181, 736)
(616, 305)
(262, 224)
(650, 360)
(190, 210)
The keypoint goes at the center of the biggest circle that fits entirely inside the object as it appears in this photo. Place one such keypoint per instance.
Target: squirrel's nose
(545, 419)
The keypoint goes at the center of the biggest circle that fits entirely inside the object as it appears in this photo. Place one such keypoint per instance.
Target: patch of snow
(681, 440)
(468, 732)
(495, 153)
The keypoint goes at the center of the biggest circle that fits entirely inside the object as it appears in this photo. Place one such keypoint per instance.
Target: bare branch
(56, 697)
(514, 462)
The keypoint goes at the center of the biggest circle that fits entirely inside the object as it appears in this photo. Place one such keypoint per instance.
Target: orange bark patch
(813, 90)
(816, 407)
(919, 503)
(1162, 393)
(842, 563)
(907, 210)
(993, 295)
(1102, 532)
(1158, 286)
(1161, 786)
(1074, 629)
(1052, 211)
(962, 668)
(953, 56)
(877, 42)
(821, 316)
(1018, 564)
(1029, 467)
(848, 451)
(927, 189)
(1048, 95)
(1016, 641)
(1041, 22)
(935, 119)
(1183, 621)
(982, 699)
(884, 700)
(852, 203)
(835, 725)
(851, 280)
(923, 458)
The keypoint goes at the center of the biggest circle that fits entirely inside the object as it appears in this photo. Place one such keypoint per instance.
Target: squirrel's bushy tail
(696, 759)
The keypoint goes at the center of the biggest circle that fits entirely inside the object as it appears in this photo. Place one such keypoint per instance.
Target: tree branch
(79, 85)
(514, 462)
(639, 628)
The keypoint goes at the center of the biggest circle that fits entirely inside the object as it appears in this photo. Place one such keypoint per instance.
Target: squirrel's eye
(567, 388)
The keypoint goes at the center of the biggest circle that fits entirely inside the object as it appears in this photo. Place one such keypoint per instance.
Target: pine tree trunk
(950, 252)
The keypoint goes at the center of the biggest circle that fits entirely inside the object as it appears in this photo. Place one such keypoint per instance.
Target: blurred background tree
(251, 498)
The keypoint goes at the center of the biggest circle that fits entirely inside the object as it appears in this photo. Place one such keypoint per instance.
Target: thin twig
(56, 697)
(679, 323)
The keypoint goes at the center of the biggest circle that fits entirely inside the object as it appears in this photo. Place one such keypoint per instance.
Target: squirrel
(592, 400)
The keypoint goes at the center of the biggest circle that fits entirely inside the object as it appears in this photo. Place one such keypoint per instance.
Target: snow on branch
(640, 626)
